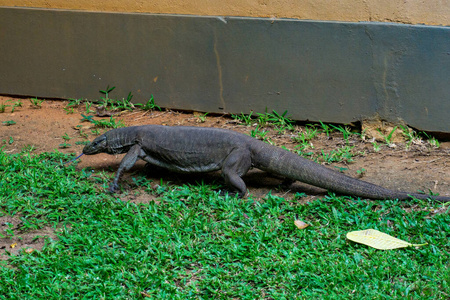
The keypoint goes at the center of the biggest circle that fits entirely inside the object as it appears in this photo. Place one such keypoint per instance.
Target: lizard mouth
(97, 146)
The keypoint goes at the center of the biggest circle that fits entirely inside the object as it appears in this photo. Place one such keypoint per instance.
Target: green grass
(194, 243)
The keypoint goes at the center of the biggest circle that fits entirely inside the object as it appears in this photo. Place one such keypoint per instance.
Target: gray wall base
(328, 71)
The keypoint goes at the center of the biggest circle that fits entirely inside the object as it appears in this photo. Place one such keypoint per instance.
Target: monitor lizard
(201, 149)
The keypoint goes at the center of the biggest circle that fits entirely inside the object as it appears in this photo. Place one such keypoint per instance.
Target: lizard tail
(292, 166)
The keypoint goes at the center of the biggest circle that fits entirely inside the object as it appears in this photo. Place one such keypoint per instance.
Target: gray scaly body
(200, 149)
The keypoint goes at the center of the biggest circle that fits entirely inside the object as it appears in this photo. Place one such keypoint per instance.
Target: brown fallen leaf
(103, 112)
(29, 250)
(145, 294)
(300, 224)
(83, 127)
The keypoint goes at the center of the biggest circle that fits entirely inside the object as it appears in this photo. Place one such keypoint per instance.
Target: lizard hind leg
(236, 165)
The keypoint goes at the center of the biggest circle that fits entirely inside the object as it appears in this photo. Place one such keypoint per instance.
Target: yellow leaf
(300, 224)
(378, 240)
(13, 245)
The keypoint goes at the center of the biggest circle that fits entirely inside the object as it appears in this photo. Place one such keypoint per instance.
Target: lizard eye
(98, 141)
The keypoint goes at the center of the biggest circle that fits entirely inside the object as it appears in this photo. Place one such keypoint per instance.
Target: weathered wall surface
(235, 56)
(431, 12)
(329, 71)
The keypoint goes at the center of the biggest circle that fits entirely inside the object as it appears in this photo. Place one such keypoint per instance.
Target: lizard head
(99, 145)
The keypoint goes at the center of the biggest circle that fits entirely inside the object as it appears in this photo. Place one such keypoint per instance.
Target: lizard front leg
(127, 162)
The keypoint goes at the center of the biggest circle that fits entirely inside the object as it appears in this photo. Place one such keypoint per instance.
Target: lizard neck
(120, 140)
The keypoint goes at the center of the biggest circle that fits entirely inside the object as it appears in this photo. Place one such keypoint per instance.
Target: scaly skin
(200, 149)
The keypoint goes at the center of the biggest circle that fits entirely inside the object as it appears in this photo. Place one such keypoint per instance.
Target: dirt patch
(28, 241)
(381, 131)
(419, 167)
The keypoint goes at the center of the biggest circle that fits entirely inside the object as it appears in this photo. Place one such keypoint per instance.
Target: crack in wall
(219, 71)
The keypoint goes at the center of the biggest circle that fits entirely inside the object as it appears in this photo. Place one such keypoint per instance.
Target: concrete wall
(317, 70)
(430, 12)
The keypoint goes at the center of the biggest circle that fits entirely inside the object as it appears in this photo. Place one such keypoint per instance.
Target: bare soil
(418, 167)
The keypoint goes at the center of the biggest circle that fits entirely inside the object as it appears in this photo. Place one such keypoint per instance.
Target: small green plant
(36, 103)
(361, 134)
(150, 105)
(65, 145)
(242, 118)
(376, 147)
(346, 131)
(69, 110)
(66, 137)
(3, 107)
(82, 142)
(416, 137)
(259, 134)
(341, 154)
(280, 130)
(433, 141)
(282, 122)
(87, 118)
(341, 169)
(95, 131)
(112, 123)
(411, 135)
(9, 142)
(74, 102)
(28, 148)
(8, 123)
(262, 119)
(300, 150)
(326, 128)
(106, 93)
(202, 118)
(88, 107)
(83, 134)
(305, 135)
(388, 138)
(10, 230)
(361, 172)
(17, 103)
(125, 104)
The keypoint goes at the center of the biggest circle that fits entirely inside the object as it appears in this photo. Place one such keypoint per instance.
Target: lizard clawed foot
(286, 184)
(223, 193)
(113, 188)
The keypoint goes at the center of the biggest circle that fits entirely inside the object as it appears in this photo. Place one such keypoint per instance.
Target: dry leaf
(300, 224)
(83, 127)
(378, 240)
(29, 250)
(103, 112)
(13, 245)
(145, 295)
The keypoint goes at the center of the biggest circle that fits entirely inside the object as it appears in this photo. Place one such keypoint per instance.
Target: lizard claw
(113, 188)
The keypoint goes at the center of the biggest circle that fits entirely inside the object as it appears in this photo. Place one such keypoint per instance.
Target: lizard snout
(98, 145)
